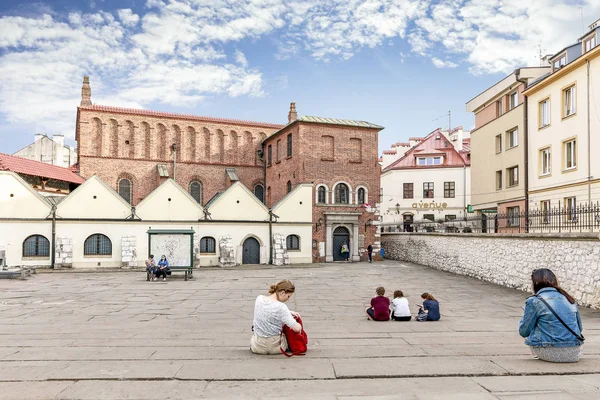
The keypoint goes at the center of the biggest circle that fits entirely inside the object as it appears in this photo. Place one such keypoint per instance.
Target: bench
(187, 270)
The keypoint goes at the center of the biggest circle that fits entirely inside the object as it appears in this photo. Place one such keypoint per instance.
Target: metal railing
(582, 218)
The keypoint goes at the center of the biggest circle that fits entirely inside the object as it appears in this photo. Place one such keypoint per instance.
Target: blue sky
(398, 63)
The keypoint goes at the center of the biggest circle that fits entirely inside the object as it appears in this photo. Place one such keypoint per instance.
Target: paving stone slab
(155, 369)
(415, 366)
(529, 366)
(499, 384)
(32, 390)
(266, 368)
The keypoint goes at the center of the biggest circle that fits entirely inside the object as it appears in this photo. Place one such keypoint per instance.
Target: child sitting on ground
(400, 310)
(429, 310)
(380, 307)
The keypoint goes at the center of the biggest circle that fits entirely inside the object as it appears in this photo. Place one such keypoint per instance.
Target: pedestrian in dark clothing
(370, 251)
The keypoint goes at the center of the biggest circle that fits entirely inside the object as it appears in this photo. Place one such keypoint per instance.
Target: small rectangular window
(512, 175)
(545, 161)
(289, 145)
(545, 211)
(498, 180)
(570, 209)
(449, 190)
(544, 113)
(269, 155)
(512, 139)
(513, 216)
(278, 151)
(429, 217)
(570, 154)
(407, 190)
(499, 108)
(513, 100)
(498, 144)
(569, 101)
(428, 190)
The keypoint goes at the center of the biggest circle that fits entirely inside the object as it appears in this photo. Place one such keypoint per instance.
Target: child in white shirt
(400, 310)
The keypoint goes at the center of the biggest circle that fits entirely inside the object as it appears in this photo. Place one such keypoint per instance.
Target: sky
(402, 64)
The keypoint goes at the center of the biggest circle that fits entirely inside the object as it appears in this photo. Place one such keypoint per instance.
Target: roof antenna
(582, 25)
(449, 115)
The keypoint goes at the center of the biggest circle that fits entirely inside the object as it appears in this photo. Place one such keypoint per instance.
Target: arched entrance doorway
(341, 235)
(251, 251)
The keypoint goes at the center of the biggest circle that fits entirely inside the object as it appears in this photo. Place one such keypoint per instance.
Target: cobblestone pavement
(116, 336)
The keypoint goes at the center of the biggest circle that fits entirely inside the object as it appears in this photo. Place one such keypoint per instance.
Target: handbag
(168, 271)
(297, 342)
(579, 337)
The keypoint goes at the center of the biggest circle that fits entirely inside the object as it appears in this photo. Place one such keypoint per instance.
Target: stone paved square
(116, 336)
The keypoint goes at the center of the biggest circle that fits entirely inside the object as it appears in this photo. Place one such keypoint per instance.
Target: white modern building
(49, 151)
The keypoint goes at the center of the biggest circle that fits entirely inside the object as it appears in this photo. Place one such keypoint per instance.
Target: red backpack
(297, 342)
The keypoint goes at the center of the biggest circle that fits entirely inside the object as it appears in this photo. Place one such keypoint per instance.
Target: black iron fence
(581, 218)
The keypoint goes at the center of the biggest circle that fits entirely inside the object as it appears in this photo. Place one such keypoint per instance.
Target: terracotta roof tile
(190, 117)
(36, 168)
(389, 152)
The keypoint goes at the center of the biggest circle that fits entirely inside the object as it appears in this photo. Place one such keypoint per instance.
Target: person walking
(370, 251)
(551, 323)
(345, 252)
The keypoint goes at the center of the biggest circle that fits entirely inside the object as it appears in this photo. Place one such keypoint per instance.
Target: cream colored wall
(19, 200)
(82, 204)
(169, 202)
(560, 184)
(485, 162)
(14, 233)
(392, 184)
(238, 203)
(297, 206)
(304, 255)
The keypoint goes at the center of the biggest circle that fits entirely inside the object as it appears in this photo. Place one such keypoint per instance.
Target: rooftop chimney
(292, 115)
(59, 139)
(86, 92)
(38, 136)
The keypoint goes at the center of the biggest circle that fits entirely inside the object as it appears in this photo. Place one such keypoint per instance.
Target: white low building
(95, 228)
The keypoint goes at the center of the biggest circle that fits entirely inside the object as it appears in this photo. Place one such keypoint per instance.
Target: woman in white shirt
(270, 313)
(400, 310)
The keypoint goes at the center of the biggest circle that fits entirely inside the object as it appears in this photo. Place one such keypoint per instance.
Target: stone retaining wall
(507, 260)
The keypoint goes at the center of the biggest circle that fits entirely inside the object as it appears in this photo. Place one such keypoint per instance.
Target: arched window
(125, 189)
(321, 195)
(293, 242)
(342, 195)
(36, 246)
(97, 245)
(196, 191)
(207, 245)
(259, 192)
(361, 196)
(289, 186)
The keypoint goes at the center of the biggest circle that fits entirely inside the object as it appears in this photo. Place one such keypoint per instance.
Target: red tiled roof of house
(389, 152)
(416, 139)
(189, 117)
(402, 144)
(430, 146)
(36, 168)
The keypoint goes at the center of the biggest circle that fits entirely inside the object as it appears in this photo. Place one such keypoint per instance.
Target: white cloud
(443, 64)
(128, 17)
(178, 52)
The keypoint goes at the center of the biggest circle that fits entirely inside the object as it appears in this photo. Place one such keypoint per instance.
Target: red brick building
(135, 150)
(339, 157)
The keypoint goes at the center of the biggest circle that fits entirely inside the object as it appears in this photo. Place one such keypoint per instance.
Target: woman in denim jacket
(548, 338)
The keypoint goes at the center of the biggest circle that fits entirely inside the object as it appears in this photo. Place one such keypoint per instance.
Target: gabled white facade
(233, 220)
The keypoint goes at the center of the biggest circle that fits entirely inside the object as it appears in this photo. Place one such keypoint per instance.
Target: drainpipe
(263, 158)
(465, 191)
(174, 159)
(53, 248)
(526, 150)
(270, 236)
(589, 159)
